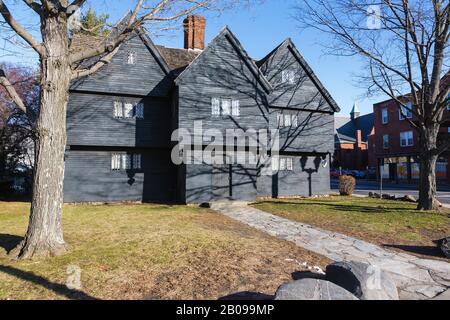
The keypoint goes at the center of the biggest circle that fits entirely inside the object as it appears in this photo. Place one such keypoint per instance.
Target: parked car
(335, 173)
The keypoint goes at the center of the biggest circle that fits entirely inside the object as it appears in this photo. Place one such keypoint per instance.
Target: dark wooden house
(120, 121)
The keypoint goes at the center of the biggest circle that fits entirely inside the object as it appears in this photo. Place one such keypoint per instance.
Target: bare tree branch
(86, 72)
(74, 6)
(21, 31)
(34, 5)
(135, 23)
(4, 82)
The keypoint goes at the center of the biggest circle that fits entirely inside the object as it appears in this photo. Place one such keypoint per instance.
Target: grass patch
(383, 222)
(148, 251)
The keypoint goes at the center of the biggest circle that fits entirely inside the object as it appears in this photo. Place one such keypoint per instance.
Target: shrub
(347, 185)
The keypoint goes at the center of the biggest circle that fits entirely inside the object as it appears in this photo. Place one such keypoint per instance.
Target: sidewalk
(443, 187)
(416, 278)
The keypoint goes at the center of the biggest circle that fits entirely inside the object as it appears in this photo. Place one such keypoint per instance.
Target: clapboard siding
(297, 183)
(206, 183)
(88, 178)
(304, 94)
(91, 122)
(221, 72)
(146, 77)
(314, 133)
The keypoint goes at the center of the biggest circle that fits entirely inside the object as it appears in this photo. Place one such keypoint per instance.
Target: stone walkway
(415, 278)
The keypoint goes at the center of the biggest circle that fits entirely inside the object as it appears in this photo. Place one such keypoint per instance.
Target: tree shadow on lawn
(9, 241)
(339, 207)
(430, 251)
(55, 287)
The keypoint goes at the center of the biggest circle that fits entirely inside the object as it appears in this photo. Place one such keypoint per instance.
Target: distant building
(394, 145)
(351, 139)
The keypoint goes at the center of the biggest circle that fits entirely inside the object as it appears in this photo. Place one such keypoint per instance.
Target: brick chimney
(359, 137)
(194, 32)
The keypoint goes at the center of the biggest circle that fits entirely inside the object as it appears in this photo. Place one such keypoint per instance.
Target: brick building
(351, 140)
(394, 144)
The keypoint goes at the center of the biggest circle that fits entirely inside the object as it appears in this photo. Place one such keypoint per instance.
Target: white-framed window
(287, 120)
(215, 107)
(124, 161)
(386, 141)
(295, 120)
(116, 162)
(288, 76)
(280, 120)
(136, 161)
(406, 139)
(118, 109)
(406, 110)
(225, 107)
(128, 109)
(139, 110)
(131, 57)
(289, 164)
(385, 116)
(236, 109)
(282, 164)
(275, 163)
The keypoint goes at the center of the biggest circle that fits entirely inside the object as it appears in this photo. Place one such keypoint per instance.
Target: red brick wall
(393, 129)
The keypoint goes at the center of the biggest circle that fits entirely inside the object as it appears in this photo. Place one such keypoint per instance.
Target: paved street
(364, 187)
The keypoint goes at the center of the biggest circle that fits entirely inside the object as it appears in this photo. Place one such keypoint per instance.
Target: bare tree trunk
(428, 160)
(44, 236)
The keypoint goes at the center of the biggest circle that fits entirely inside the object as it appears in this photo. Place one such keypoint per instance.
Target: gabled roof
(154, 50)
(226, 32)
(346, 128)
(82, 41)
(288, 44)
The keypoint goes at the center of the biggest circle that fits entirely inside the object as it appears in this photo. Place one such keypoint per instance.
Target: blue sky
(260, 28)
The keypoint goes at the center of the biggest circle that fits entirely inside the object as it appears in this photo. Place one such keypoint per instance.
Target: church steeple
(355, 113)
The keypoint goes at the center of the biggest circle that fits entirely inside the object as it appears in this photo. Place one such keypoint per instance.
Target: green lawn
(148, 251)
(378, 221)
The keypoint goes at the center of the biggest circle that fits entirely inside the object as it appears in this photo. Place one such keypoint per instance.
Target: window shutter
(226, 107)
(118, 109)
(128, 110)
(215, 107)
(236, 108)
